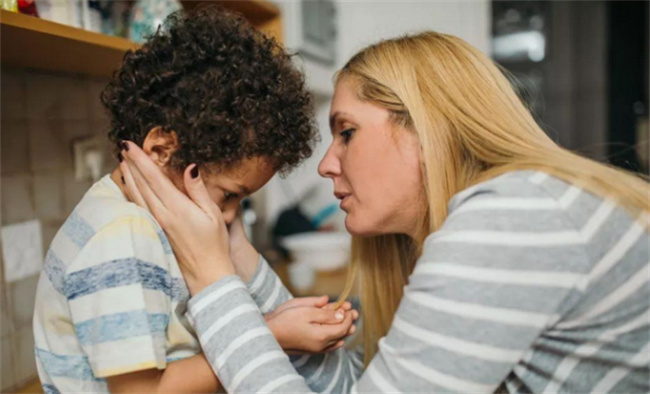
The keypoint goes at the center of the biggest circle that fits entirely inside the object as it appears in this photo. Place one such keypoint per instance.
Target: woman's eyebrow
(334, 117)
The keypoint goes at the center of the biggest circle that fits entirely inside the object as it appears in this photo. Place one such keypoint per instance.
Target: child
(111, 302)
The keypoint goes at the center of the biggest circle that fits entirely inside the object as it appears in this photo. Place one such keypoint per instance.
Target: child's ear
(160, 145)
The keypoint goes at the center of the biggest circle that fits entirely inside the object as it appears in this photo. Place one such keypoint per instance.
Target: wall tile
(17, 199)
(50, 228)
(72, 130)
(48, 196)
(47, 144)
(12, 94)
(6, 325)
(23, 298)
(43, 99)
(101, 127)
(73, 190)
(95, 88)
(74, 98)
(15, 146)
(24, 359)
(6, 364)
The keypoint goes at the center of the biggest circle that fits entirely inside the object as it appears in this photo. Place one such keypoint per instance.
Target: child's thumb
(326, 316)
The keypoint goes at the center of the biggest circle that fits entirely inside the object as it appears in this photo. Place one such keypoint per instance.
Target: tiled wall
(41, 115)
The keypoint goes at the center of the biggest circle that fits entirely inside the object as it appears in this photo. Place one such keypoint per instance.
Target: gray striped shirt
(531, 285)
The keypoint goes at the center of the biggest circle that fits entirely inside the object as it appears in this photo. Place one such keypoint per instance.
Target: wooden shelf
(36, 43)
(258, 12)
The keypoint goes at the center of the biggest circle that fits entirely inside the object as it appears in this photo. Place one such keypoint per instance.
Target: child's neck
(116, 176)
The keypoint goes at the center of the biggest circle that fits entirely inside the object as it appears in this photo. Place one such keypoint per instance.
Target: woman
(489, 257)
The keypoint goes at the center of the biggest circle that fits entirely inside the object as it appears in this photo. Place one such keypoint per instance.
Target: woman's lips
(344, 199)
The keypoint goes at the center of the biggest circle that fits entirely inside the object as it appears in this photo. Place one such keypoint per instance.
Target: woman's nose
(330, 165)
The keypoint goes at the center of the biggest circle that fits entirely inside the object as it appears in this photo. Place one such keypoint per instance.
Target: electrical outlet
(89, 158)
(22, 249)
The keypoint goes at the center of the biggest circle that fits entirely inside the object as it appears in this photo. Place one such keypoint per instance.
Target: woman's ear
(160, 145)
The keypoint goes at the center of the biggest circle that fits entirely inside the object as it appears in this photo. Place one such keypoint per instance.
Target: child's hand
(307, 325)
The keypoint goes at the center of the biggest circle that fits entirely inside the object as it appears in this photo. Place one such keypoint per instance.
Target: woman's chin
(357, 228)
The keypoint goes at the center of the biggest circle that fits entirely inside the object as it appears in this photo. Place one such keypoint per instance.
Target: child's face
(228, 187)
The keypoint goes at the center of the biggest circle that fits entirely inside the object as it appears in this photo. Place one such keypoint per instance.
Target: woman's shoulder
(515, 190)
(532, 211)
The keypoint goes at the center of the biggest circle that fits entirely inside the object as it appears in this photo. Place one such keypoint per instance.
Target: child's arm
(300, 325)
(190, 375)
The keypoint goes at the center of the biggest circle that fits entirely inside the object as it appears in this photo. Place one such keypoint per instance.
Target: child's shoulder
(106, 227)
(105, 217)
(104, 205)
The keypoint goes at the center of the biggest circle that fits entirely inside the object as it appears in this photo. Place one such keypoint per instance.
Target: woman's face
(375, 167)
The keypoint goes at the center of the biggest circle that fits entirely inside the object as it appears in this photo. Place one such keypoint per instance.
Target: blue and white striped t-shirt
(111, 298)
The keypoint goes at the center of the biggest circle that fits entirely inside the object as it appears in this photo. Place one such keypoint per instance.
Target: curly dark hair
(227, 91)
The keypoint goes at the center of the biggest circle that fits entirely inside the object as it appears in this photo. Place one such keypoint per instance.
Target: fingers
(150, 174)
(316, 302)
(339, 344)
(130, 185)
(338, 304)
(325, 316)
(334, 332)
(139, 187)
(197, 191)
(346, 306)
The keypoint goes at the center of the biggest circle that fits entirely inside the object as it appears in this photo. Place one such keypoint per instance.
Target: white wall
(361, 23)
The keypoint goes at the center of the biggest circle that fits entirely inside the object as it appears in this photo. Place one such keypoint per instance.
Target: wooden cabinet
(40, 44)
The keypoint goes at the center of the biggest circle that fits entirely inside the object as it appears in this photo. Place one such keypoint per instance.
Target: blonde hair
(472, 126)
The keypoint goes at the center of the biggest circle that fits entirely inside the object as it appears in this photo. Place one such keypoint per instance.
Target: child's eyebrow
(244, 190)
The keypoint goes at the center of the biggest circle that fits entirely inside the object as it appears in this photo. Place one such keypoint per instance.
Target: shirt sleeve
(489, 282)
(266, 288)
(119, 293)
(245, 355)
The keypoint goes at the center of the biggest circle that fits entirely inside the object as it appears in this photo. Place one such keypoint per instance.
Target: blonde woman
(489, 257)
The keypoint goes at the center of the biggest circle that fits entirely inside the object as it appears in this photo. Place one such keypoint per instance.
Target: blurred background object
(147, 15)
(9, 5)
(581, 66)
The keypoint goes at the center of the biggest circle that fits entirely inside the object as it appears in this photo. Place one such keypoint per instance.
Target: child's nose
(229, 215)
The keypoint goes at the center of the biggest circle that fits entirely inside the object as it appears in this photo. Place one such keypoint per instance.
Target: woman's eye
(346, 134)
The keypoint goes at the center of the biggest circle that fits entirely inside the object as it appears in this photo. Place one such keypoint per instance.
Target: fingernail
(194, 172)
(124, 183)
(125, 146)
(119, 157)
(339, 316)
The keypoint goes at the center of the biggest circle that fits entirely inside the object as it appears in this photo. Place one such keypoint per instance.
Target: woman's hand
(243, 254)
(193, 223)
(309, 325)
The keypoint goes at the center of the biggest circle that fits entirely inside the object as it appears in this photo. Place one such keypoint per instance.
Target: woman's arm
(487, 285)
(263, 284)
(248, 358)
(473, 307)
(266, 288)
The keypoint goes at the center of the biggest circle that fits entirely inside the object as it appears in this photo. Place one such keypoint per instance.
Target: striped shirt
(111, 298)
(531, 285)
